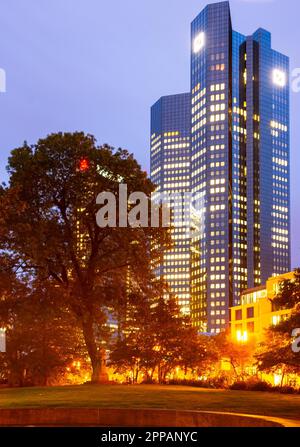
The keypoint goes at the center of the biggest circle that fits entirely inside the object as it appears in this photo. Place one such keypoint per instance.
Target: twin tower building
(225, 145)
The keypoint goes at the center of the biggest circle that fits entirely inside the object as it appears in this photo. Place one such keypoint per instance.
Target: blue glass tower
(170, 172)
(239, 164)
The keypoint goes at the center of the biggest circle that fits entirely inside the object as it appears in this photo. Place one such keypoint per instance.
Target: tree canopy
(49, 229)
(276, 351)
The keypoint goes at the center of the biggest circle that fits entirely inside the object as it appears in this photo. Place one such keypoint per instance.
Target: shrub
(210, 383)
(219, 382)
(287, 390)
(239, 385)
(251, 385)
(259, 385)
(148, 381)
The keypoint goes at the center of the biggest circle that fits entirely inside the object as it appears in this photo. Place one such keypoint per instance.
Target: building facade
(239, 164)
(249, 321)
(170, 172)
(256, 311)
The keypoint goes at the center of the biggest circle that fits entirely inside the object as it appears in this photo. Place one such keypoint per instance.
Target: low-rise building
(256, 311)
(254, 315)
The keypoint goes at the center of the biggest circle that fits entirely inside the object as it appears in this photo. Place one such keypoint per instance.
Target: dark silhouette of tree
(239, 354)
(49, 229)
(288, 295)
(157, 339)
(276, 351)
(42, 337)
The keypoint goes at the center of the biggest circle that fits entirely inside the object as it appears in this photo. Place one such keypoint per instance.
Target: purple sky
(98, 65)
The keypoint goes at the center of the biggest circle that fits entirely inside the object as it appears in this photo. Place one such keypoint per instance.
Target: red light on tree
(84, 164)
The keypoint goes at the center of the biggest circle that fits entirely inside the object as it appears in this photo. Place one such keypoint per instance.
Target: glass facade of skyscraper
(239, 165)
(170, 171)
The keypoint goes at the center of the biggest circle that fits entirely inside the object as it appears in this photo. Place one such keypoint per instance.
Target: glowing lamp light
(84, 164)
(242, 336)
(199, 42)
(279, 77)
(277, 379)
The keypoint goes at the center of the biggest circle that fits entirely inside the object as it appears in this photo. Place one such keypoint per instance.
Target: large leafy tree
(276, 354)
(156, 339)
(239, 355)
(132, 348)
(288, 295)
(276, 351)
(199, 352)
(42, 338)
(172, 330)
(49, 228)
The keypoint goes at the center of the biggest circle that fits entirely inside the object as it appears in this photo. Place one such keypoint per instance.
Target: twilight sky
(98, 65)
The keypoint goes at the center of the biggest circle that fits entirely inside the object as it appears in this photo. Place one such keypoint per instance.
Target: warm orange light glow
(242, 336)
(84, 164)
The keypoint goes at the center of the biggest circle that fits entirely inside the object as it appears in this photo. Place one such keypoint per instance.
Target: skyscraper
(170, 171)
(239, 164)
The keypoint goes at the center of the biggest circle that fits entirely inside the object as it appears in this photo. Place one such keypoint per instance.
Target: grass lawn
(153, 396)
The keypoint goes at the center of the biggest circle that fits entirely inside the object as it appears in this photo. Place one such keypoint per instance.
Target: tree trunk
(159, 373)
(99, 373)
(15, 371)
(282, 377)
(234, 369)
(14, 379)
(137, 374)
